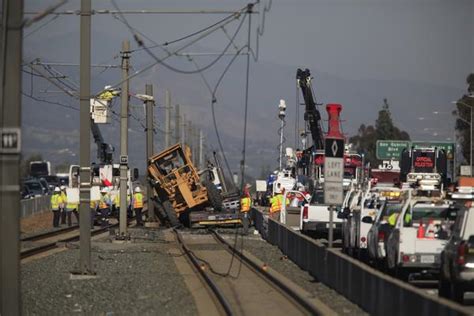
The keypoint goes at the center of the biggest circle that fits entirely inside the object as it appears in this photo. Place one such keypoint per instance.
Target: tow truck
(421, 230)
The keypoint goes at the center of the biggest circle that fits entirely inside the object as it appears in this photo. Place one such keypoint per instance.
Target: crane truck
(314, 216)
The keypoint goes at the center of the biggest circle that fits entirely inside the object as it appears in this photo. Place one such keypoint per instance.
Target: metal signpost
(333, 177)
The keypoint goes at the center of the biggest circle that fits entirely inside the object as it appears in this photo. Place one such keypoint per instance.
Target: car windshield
(33, 186)
(434, 212)
(317, 197)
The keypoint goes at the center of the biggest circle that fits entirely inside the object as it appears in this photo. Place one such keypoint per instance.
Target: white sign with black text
(333, 169)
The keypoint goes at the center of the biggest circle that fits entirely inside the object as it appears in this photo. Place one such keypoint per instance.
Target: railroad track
(245, 280)
(42, 248)
(50, 234)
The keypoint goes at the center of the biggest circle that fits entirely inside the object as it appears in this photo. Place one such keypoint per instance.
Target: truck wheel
(171, 214)
(457, 292)
(160, 213)
(444, 288)
(214, 196)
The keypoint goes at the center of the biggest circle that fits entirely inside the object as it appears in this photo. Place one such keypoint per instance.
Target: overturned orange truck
(179, 188)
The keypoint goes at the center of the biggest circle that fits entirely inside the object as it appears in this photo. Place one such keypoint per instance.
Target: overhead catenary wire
(191, 34)
(140, 43)
(53, 18)
(175, 52)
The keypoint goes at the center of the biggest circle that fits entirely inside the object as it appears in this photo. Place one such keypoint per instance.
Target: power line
(194, 33)
(41, 26)
(205, 34)
(49, 102)
(139, 12)
(161, 61)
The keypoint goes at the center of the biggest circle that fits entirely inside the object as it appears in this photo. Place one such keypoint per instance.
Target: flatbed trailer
(207, 218)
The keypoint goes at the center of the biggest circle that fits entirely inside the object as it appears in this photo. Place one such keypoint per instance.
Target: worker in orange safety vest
(138, 205)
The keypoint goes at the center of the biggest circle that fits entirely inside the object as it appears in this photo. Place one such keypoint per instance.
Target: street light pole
(281, 116)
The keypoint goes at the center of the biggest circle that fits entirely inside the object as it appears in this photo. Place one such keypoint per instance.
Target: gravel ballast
(137, 278)
(274, 258)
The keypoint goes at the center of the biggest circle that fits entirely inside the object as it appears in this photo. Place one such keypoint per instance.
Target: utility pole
(183, 133)
(167, 118)
(124, 140)
(201, 153)
(10, 124)
(177, 125)
(85, 140)
(149, 147)
(189, 137)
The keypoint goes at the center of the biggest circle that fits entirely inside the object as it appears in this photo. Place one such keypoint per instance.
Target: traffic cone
(421, 230)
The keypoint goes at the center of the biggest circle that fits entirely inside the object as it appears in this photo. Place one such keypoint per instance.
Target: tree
(464, 106)
(366, 139)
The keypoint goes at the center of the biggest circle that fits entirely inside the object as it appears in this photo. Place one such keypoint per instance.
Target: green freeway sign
(390, 149)
(448, 147)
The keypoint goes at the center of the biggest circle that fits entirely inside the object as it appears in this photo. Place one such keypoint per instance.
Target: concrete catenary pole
(201, 152)
(190, 138)
(177, 125)
(167, 119)
(149, 146)
(183, 131)
(124, 140)
(85, 139)
(10, 122)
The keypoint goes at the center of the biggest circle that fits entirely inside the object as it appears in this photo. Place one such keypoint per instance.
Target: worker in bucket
(138, 205)
(56, 202)
(104, 207)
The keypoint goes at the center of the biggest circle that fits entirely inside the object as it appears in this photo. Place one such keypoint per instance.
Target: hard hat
(137, 189)
(63, 187)
(56, 189)
(104, 190)
(107, 87)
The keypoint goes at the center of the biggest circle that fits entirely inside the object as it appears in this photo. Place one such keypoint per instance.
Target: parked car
(457, 259)
(53, 181)
(34, 187)
(45, 186)
(25, 193)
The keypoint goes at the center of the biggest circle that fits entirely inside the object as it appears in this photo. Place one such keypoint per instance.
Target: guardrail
(374, 291)
(35, 205)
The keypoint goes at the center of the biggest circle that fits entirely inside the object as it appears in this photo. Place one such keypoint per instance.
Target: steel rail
(212, 285)
(50, 233)
(43, 248)
(287, 290)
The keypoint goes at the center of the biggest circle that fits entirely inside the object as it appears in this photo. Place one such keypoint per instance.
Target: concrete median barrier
(374, 291)
(35, 205)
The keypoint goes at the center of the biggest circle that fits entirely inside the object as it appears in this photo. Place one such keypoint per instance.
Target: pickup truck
(363, 211)
(291, 212)
(314, 217)
(457, 259)
(419, 236)
(380, 230)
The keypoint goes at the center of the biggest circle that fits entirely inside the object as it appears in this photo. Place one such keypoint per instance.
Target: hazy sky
(365, 44)
(421, 40)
